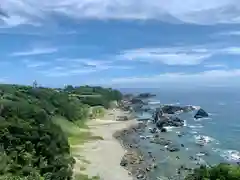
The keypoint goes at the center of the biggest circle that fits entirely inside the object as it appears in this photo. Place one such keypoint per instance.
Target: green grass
(82, 138)
(85, 177)
(69, 128)
(76, 135)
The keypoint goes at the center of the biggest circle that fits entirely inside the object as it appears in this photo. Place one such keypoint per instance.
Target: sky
(121, 43)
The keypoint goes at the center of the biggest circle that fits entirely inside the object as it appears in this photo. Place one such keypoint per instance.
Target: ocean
(221, 130)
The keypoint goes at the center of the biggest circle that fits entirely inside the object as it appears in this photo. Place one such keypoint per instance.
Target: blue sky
(121, 43)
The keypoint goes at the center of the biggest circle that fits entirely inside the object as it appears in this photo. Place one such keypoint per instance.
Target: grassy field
(77, 135)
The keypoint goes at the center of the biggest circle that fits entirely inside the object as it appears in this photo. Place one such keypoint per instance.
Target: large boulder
(163, 130)
(169, 121)
(201, 114)
(169, 109)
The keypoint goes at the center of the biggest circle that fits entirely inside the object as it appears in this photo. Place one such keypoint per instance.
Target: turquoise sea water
(221, 129)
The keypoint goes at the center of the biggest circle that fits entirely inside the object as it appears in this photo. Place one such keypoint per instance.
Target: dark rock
(168, 109)
(163, 130)
(154, 166)
(124, 162)
(182, 145)
(148, 169)
(171, 109)
(145, 95)
(201, 114)
(160, 124)
(181, 134)
(154, 130)
(163, 142)
(173, 148)
(169, 121)
(137, 101)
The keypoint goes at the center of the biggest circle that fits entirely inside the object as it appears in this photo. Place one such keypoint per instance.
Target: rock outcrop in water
(172, 109)
(145, 95)
(201, 114)
(169, 121)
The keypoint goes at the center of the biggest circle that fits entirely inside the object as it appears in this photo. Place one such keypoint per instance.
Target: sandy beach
(104, 156)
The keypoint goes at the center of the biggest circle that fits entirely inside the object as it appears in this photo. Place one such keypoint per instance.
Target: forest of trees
(31, 145)
(219, 172)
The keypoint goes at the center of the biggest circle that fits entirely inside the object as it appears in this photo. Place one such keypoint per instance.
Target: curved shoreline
(104, 156)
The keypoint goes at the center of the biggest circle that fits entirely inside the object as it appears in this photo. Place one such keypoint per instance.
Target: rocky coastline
(140, 164)
(134, 160)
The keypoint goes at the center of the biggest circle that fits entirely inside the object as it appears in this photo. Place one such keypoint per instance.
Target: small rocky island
(201, 114)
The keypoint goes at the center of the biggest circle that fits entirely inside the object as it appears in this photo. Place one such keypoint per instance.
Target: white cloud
(229, 33)
(231, 50)
(34, 64)
(191, 11)
(35, 51)
(180, 55)
(216, 66)
(72, 67)
(211, 77)
(169, 56)
(61, 72)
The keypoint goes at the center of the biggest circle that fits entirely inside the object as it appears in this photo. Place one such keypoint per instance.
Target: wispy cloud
(81, 66)
(35, 64)
(212, 66)
(55, 72)
(180, 55)
(213, 77)
(169, 56)
(191, 11)
(229, 33)
(35, 51)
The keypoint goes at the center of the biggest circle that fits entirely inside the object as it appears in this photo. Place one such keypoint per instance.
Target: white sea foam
(185, 123)
(203, 140)
(196, 126)
(193, 132)
(202, 119)
(196, 107)
(229, 155)
(200, 154)
(154, 102)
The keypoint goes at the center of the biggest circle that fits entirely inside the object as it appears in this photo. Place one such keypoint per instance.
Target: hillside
(33, 145)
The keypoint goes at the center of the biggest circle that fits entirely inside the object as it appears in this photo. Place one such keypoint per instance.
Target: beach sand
(104, 156)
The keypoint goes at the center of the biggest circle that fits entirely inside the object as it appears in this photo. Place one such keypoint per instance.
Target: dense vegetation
(32, 146)
(219, 172)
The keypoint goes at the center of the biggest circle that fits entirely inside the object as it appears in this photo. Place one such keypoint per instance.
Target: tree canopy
(31, 145)
(219, 172)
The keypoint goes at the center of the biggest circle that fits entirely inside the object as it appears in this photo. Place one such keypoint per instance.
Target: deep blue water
(222, 127)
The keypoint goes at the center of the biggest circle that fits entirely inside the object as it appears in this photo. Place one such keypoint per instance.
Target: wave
(154, 102)
(221, 104)
(229, 155)
(170, 128)
(203, 140)
(185, 123)
(196, 126)
(193, 132)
